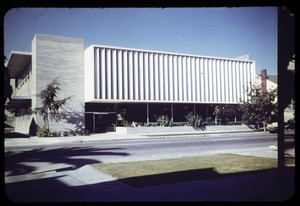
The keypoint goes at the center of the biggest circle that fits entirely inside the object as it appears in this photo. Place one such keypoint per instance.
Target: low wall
(22, 124)
(180, 129)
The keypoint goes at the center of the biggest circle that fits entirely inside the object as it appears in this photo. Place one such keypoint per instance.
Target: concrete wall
(180, 129)
(63, 57)
(22, 124)
(89, 74)
(25, 87)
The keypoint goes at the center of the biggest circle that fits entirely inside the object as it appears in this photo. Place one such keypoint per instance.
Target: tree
(51, 105)
(262, 107)
(7, 86)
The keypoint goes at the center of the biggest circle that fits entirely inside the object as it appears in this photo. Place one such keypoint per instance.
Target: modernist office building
(138, 85)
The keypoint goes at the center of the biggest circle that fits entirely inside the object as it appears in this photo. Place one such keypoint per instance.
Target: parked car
(273, 127)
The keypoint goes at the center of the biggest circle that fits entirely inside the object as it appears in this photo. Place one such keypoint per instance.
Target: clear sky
(220, 32)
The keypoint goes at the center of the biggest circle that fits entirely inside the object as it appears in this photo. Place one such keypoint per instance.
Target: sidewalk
(35, 141)
(90, 185)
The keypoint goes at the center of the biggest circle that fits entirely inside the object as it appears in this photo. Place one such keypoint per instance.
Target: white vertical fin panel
(218, 73)
(108, 73)
(197, 80)
(222, 76)
(210, 88)
(240, 88)
(248, 80)
(206, 80)
(226, 81)
(151, 74)
(161, 77)
(189, 79)
(184, 74)
(180, 83)
(135, 76)
(171, 77)
(141, 76)
(175, 89)
(193, 82)
(103, 74)
(130, 70)
(97, 73)
(146, 66)
(244, 81)
(156, 77)
(230, 81)
(234, 82)
(114, 74)
(120, 75)
(125, 74)
(202, 90)
(166, 78)
(214, 75)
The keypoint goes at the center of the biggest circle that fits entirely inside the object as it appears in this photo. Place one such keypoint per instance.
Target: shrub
(87, 133)
(72, 133)
(55, 134)
(209, 121)
(65, 134)
(194, 120)
(190, 118)
(162, 120)
(43, 132)
(124, 123)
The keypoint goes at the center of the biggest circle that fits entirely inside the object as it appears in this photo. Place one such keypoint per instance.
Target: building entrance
(100, 122)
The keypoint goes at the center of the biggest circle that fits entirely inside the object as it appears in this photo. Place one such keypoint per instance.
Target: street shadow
(75, 156)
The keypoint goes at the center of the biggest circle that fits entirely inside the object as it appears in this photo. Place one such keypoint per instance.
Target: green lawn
(190, 167)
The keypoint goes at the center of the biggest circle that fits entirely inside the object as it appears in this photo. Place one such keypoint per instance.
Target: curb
(38, 141)
(200, 133)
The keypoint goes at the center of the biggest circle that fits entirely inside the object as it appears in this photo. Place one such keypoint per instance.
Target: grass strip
(185, 169)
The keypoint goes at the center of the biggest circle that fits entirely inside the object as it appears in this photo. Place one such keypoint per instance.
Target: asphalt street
(23, 160)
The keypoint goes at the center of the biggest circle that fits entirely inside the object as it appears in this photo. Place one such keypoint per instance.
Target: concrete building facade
(111, 83)
(51, 57)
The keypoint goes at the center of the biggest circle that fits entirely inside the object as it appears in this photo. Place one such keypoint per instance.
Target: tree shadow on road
(16, 163)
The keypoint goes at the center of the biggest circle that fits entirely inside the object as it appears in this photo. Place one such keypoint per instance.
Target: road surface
(37, 159)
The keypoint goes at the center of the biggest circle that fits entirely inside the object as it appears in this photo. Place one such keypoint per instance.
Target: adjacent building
(114, 83)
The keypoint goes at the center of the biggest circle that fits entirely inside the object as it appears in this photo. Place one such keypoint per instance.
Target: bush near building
(262, 108)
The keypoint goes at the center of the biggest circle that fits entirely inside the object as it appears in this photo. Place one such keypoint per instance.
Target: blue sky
(221, 32)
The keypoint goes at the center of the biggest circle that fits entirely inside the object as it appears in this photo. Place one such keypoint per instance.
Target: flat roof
(172, 53)
(17, 62)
